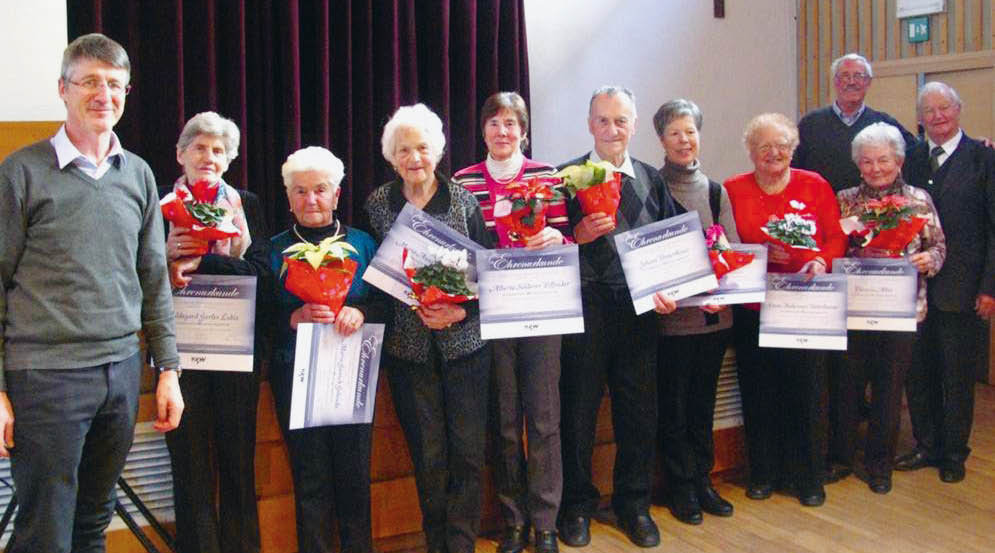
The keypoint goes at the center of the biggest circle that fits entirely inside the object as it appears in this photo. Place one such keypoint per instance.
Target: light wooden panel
(975, 89)
(17, 134)
(895, 95)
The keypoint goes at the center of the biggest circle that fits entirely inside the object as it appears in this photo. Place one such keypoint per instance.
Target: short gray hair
(419, 118)
(95, 46)
(313, 158)
(675, 109)
(765, 120)
(942, 88)
(613, 90)
(878, 134)
(211, 124)
(850, 57)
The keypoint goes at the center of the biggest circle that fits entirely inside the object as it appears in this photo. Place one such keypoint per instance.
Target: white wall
(32, 38)
(733, 68)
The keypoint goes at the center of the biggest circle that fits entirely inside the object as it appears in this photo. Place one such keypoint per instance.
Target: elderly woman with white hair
(213, 449)
(330, 464)
(878, 356)
(437, 364)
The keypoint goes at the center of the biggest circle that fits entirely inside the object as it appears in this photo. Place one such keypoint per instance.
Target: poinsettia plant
(441, 277)
(523, 211)
(597, 186)
(794, 230)
(724, 259)
(320, 273)
(887, 224)
(194, 207)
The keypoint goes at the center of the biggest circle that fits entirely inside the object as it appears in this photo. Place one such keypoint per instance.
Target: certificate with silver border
(881, 293)
(804, 313)
(215, 323)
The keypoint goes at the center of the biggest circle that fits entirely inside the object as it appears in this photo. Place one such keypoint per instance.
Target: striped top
(479, 182)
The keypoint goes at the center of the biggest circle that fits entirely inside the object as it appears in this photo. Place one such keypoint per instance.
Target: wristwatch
(177, 369)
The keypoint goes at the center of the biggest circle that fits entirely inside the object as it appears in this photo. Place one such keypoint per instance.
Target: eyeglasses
(766, 148)
(92, 85)
(855, 77)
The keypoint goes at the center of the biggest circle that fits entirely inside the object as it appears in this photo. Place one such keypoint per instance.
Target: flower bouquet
(596, 185)
(793, 231)
(724, 259)
(320, 273)
(886, 225)
(442, 279)
(194, 208)
(523, 211)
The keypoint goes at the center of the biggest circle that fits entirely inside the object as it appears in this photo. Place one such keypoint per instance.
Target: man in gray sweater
(82, 270)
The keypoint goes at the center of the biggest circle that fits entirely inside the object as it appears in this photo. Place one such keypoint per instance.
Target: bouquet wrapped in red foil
(522, 213)
(597, 186)
(886, 226)
(724, 259)
(441, 279)
(320, 273)
(194, 208)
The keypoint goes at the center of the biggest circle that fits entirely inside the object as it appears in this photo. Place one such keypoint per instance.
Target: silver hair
(878, 134)
(942, 88)
(613, 90)
(94, 46)
(765, 120)
(313, 158)
(211, 124)
(419, 118)
(676, 109)
(850, 57)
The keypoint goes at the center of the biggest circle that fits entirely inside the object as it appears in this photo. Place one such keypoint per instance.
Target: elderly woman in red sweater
(782, 388)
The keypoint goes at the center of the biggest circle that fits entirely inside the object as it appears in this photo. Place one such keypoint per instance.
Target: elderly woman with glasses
(782, 388)
(437, 365)
(213, 449)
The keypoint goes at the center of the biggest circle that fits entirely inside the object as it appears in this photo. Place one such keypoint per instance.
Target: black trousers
(212, 453)
(687, 380)
(784, 396)
(617, 348)
(442, 408)
(940, 383)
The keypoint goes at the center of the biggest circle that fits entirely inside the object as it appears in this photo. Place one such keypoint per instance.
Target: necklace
(338, 225)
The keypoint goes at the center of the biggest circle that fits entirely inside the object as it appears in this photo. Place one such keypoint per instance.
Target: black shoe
(759, 490)
(640, 529)
(836, 472)
(684, 506)
(712, 503)
(546, 542)
(914, 460)
(879, 484)
(811, 496)
(514, 540)
(952, 473)
(575, 531)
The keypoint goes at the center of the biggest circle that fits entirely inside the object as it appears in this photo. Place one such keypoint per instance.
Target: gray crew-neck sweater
(82, 264)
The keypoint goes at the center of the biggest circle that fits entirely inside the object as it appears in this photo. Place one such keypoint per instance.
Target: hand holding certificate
(804, 312)
(881, 293)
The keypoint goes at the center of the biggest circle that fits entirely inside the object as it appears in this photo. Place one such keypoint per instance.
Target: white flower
(797, 205)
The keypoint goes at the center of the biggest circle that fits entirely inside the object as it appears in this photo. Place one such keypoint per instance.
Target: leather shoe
(514, 540)
(812, 496)
(640, 529)
(914, 460)
(879, 484)
(546, 542)
(759, 490)
(685, 508)
(952, 473)
(575, 531)
(712, 503)
(835, 473)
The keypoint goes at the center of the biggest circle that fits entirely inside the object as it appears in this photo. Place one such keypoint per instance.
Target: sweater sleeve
(13, 225)
(157, 301)
(726, 218)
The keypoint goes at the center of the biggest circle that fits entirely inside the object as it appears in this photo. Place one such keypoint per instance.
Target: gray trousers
(527, 384)
(72, 432)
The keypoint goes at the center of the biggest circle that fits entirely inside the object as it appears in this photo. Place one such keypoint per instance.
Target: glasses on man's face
(852, 77)
(93, 84)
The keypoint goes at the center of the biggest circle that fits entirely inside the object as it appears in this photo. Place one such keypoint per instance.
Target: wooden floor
(920, 515)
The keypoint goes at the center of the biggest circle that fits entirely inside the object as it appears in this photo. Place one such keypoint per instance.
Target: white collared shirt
(948, 147)
(849, 120)
(66, 152)
(626, 167)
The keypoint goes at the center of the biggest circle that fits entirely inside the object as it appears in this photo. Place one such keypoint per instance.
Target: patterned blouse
(930, 239)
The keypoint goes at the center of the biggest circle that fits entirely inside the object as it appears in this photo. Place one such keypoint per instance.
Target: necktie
(934, 158)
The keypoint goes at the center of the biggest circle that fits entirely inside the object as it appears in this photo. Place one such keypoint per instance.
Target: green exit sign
(918, 29)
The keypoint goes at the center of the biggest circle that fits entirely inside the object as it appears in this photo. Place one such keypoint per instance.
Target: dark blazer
(963, 190)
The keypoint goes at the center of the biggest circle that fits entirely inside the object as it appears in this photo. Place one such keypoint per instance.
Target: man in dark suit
(618, 347)
(959, 173)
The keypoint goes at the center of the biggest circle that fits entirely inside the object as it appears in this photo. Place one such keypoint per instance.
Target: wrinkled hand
(816, 266)
(179, 243)
(548, 236)
(713, 309)
(168, 402)
(984, 306)
(592, 227)
(180, 268)
(349, 320)
(6, 425)
(440, 315)
(922, 261)
(312, 313)
(662, 304)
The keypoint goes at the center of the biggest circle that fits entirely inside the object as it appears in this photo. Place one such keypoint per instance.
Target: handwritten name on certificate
(881, 293)
(744, 285)
(667, 256)
(529, 293)
(335, 376)
(215, 322)
(415, 230)
(804, 314)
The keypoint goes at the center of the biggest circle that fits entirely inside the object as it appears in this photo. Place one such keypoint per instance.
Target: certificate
(415, 230)
(335, 376)
(215, 322)
(881, 293)
(744, 285)
(804, 314)
(529, 293)
(667, 256)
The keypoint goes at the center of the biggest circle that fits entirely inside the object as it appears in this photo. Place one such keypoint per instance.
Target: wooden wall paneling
(895, 95)
(986, 24)
(276, 524)
(838, 31)
(14, 135)
(812, 57)
(880, 31)
(866, 25)
(957, 23)
(803, 42)
(851, 33)
(939, 35)
(975, 89)
(825, 52)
